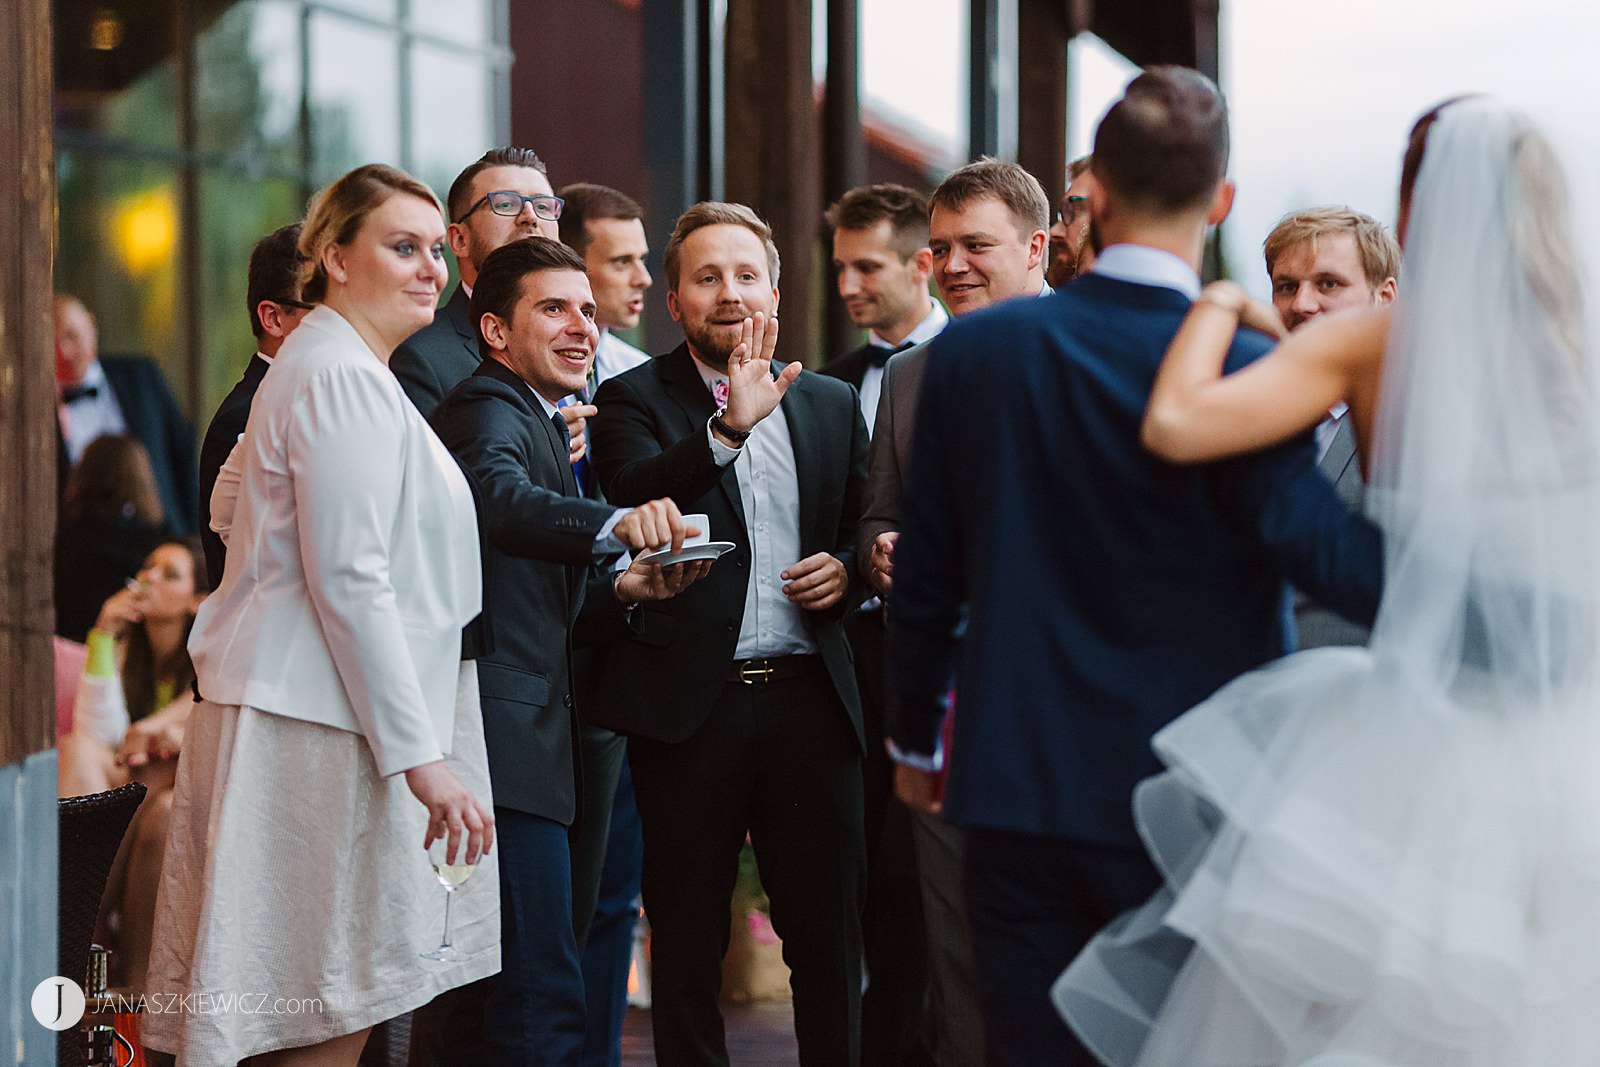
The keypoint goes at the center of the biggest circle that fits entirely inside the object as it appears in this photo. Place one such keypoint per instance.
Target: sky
(1321, 94)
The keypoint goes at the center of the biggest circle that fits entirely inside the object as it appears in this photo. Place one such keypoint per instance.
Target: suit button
(566, 701)
(729, 624)
(741, 561)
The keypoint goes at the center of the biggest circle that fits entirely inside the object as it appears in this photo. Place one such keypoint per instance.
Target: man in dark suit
(502, 423)
(273, 292)
(987, 219)
(121, 394)
(1103, 591)
(880, 252)
(502, 197)
(739, 697)
(1322, 260)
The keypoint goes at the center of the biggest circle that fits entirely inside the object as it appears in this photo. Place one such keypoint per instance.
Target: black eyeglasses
(283, 302)
(509, 202)
(1071, 208)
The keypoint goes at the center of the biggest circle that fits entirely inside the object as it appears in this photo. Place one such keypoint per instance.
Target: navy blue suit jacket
(1105, 590)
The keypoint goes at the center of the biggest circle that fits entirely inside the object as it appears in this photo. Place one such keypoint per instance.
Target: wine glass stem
(448, 894)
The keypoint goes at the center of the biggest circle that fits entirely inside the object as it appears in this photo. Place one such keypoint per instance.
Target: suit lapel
(682, 382)
(805, 436)
(458, 310)
(1341, 451)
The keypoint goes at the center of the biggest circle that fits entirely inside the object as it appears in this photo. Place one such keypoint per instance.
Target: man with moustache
(1319, 261)
(738, 697)
(1071, 251)
(988, 240)
(881, 255)
(536, 319)
(502, 197)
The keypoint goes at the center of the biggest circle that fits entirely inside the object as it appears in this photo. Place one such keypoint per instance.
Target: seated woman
(132, 705)
(111, 518)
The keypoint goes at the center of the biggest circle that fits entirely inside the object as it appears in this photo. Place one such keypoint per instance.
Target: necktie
(580, 469)
(877, 355)
(79, 392)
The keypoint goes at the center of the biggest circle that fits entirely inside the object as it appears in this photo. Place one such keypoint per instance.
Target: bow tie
(79, 392)
(877, 355)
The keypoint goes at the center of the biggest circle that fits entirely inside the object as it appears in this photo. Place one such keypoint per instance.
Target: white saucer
(687, 554)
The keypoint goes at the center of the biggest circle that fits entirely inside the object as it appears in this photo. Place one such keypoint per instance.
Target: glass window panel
(379, 9)
(463, 20)
(247, 84)
(116, 71)
(118, 249)
(235, 212)
(355, 95)
(452, 113)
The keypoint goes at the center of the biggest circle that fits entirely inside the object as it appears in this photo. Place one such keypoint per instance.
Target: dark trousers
(1035, 902)
(894, 1022)
(532, 1012)
(780, 762)
(609, 950)
(604, 755)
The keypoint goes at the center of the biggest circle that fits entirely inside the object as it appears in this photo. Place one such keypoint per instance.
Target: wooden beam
(844, 155)
(1043, 32)
(27, 406)
(770, 154)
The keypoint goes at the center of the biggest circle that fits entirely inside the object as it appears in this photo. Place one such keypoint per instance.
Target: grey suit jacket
(1318, 626)
(890, 457)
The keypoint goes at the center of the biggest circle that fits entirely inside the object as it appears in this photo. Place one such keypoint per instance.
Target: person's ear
(775, 295)
(1038, 243)
(922, 264)
(271, 318)
(455, 235)
(1221, 203)
(672, 306)
(1385, 293)
(333, 264)
(493, 329)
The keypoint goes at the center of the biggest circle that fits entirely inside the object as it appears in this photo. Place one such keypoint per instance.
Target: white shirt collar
(1143, 265)
(263, 356)
(934, 321)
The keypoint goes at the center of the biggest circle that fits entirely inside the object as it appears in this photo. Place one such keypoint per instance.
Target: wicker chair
(91, 830)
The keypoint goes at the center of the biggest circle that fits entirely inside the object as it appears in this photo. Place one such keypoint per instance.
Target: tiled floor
(759, 1035)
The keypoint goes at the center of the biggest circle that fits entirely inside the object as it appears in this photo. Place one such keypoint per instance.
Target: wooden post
(845, 152)
(770, 155)
(1042, 36)
(27, 519)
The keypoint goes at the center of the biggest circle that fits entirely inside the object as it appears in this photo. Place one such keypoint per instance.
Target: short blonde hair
(716, 213)
(1379, 252)
(337, 212)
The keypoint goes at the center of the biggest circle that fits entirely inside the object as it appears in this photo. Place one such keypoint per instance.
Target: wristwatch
(738, 437)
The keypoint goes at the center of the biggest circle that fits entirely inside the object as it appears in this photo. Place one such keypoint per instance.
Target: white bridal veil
(1390, 857)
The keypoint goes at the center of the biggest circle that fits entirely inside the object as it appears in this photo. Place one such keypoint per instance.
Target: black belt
(775, 669)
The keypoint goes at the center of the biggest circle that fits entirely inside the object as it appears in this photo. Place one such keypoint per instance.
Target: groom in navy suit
(1104, 591)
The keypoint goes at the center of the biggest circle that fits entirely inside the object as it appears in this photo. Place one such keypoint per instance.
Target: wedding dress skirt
(1361, 873)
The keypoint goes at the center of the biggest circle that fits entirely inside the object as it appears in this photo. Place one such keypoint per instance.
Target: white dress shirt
(1143, 265)
(89, 417)
(872, 381)
(613, 355)
(353, 555)
(769, 490)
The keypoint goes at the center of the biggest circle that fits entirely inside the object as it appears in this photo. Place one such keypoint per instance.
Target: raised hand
(577, 416)
(752, 390)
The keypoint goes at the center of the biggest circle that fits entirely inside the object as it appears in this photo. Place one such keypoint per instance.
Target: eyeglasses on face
(1072, 205)
(509, 202)
(287, 303)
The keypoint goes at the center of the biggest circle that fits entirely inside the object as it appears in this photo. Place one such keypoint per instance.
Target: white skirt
(1362, 872)
(296, 897)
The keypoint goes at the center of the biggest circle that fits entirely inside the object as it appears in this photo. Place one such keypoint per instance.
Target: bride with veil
(1391, 856)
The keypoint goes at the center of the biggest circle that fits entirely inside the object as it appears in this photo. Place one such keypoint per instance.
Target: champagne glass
(452, 876)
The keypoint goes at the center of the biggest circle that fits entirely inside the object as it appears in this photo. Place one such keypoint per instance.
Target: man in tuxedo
(1102, 591)
(738, 697)
(502, 197)
(606, 228)
(881, 256)
(1323, 260)
(502, 423)
(1071, 251)
(987, 221)
(273, 293)
(121, 394)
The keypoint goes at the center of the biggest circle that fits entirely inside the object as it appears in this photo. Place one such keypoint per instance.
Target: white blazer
(352, 555)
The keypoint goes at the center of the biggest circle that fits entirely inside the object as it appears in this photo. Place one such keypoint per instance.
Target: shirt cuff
(606, 544)
(932, 764)
(721, 454)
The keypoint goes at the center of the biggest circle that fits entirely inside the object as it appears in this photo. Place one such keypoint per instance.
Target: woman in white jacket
(333, 696)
